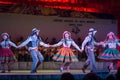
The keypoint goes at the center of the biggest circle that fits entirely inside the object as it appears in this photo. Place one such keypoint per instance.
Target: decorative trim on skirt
(6, 56)
(65, 55)
(110, 54)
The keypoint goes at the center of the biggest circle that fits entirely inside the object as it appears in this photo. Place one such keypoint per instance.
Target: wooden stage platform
(46, 75)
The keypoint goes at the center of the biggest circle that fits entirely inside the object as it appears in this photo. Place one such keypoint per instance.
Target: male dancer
(88, 45)
(33, 41)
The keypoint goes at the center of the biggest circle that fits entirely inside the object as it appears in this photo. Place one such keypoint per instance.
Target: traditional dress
(111, 52)
(65, 54)
(6, 55)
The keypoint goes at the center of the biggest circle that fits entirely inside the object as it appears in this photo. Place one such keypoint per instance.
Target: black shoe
(108, 68)
(9, 70)
(33, 71)
(3, 71)
(91, 71)
(83, 70)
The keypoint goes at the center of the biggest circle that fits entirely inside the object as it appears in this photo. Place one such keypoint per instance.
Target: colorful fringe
(110, 54)
(65, 55)
(6, 55)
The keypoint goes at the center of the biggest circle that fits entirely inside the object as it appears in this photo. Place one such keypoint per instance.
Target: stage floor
(46, 75)
(41, 72)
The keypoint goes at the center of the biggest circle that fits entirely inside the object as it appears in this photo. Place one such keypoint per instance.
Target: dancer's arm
(76, 46)
(87, 39)
(104, 44)
(25, 42)
(57, 44)
(43, 44)
(118, 43)
(12, 44)
(98, 43)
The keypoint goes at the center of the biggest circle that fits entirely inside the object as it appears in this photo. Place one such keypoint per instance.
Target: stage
(46, 75)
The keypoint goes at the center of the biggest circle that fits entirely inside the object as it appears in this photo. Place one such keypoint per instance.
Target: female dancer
(6, 55)
(65, 54)
(111, 53)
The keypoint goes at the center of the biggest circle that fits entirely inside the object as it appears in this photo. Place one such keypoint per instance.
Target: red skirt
(118, 64)
(6, 56)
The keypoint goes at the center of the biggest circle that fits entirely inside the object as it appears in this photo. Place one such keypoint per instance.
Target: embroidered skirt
(110, 54)
(6, 56)
(65, 55)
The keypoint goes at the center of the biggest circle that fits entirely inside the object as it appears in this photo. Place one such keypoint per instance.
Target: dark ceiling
(97, 6)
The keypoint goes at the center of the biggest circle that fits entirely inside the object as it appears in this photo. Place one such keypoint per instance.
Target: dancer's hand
(48, 45)
(81, 50)
(18, 47)
(101, 43)
(51, 46)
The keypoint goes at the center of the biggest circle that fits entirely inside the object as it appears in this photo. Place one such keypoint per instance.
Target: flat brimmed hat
(92, 31)
(35, 30)
(110, 34)
(5, 34)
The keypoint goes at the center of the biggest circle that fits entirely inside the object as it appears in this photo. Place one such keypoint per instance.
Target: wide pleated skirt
(110, 54)
(6, 56)
(65, 55)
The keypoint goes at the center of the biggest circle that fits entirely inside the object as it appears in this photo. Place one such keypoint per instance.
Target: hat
(66, 32)
(5, 34)
(35, 30)
(110, 34)
(92, 31)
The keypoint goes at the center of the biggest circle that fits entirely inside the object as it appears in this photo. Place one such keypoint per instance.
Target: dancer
(6, 55)
(88, 45)
(65, 54)
(34, 40)
(111, 53)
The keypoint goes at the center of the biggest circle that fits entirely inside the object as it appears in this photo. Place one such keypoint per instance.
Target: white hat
(35, 30)
(5, 34)
(92, 31)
